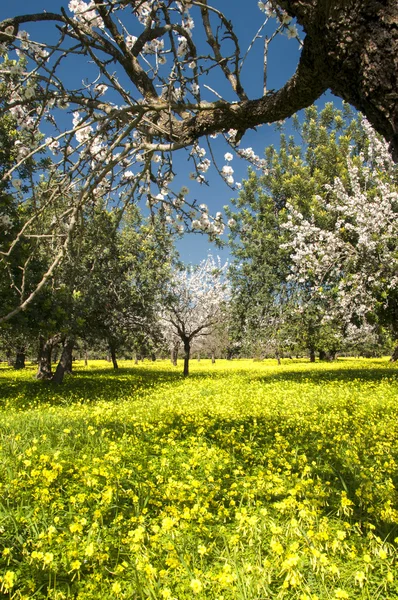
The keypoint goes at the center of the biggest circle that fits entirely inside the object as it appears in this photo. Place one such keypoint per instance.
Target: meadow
(246, 481)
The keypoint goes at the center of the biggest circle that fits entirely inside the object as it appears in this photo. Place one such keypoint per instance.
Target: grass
(245, 481)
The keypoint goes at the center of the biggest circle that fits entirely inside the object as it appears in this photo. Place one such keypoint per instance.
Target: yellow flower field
(246, 481)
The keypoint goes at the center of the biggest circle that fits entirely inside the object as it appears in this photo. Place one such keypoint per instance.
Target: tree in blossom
(272, 314)
(350, 258)
(196, 304)
(146, 94)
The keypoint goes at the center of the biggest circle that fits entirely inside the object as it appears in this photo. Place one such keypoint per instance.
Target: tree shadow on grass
(101, 384)
(85, 386)
(343, 374)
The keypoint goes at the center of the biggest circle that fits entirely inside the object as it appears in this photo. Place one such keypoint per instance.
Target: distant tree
(195, 304)
(216, 343)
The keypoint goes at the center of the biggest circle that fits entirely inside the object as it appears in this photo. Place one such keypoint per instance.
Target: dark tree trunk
(153, 357)
(112, 350)
(312, 355)
(213, 358)
(278, 358)
(9, 358)
(85, 357)
(187, 352)
(322, 355)
(394, 356)
(64, 361)
(352, 47)
(69, 363)
(20, 358)
(44, 358)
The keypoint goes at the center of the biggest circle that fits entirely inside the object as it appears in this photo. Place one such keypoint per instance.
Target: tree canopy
(112, 136)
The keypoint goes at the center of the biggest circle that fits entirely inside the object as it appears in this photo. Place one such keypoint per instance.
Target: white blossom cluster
(110, 137)
(85, 13)
(285, 20)
(353, 261)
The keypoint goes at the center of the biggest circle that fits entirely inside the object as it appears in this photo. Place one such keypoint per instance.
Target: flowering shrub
(245, 481)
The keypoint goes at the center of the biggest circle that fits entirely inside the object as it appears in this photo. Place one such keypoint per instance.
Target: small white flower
(227, 170)
(228, 156)
(100, 89)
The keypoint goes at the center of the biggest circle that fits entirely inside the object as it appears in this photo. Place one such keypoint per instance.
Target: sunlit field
(246, 481)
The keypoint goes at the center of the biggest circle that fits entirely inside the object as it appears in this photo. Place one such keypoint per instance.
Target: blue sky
(282, 61)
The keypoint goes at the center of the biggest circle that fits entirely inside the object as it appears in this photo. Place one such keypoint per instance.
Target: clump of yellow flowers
(248, 480)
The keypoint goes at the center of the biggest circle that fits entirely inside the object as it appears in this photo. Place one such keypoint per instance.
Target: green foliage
(271, 313)
(245, 481)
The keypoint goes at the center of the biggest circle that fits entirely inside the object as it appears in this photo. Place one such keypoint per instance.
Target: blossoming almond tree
(351, 261)
(146, 95)
(196, 304)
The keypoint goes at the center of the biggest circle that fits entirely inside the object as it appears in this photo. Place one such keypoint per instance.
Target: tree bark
(394, 356)
(174, 355)
(69, 363)
(354, 46)
(187, 352)
(44, 358)
(112, 350)
(9, 358)
(312, 355)
(213, 358)
(64, 361)
(20, 358)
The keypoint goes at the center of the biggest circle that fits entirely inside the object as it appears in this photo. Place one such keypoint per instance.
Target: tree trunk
(198, 356)
(64, 361)
(187, 352)
(20, 358)
(153, 357)
(174, 355)
(112, 350)
(394, 356)
(69, 363)
(213, 358)
(278, 358)
(44, 358)
(9, 358)
(312, 355)
(322, 355)
(352, 47)
(85, 358)
(136, 359)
